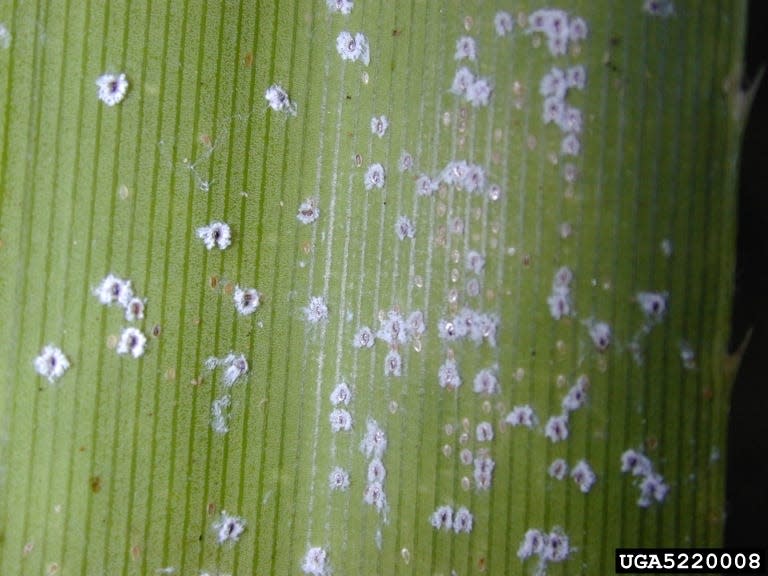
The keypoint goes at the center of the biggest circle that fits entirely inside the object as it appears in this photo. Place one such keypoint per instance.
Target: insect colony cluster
(558, 29)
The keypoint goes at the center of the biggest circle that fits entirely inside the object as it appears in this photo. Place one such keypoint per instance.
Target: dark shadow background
(747, 452)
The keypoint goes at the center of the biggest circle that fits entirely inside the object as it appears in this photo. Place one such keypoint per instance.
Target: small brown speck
(95, 482)
(248, 59)
(213, 281)
(156, 330)
(228, 288)
(211, 508)
(526, 260)
(135, 552)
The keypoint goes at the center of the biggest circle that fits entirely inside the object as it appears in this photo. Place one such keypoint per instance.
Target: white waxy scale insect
(570, 145)
(484, 432)
(338, 479)
(364, 338)
(404, 228)
(466, 49)
(522, 416)
(114, 290)
(556, 428)
(134, 309)
(448, 375)
(442, 518)
(51, 363)
(374, 495)
(341, 394)
(503, 23)
(486, 381)
(532, 544)
(315, 562)
(479, 92)
(379, 125)
(462, 80)
(558, 469)
(376, 471)
(317, 310)
(653, 304)
(374, 443)
(131, 342)
(557, 546)
(584, 476)
(246, 300)
(308, 211)
(475, 262)
(278, 100)
(228, 528)
(341, 420)
(462, 521)
(426, 186)
(340, 6)
(215, 235)
(375, 177)
(659, 8)
(112, 88)
(600, 333)
(353, 47)
(483, 472)
(405, 163)
(393, 364)
(576, 396)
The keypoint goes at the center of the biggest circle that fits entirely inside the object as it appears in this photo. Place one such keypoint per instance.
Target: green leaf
(115, 468)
